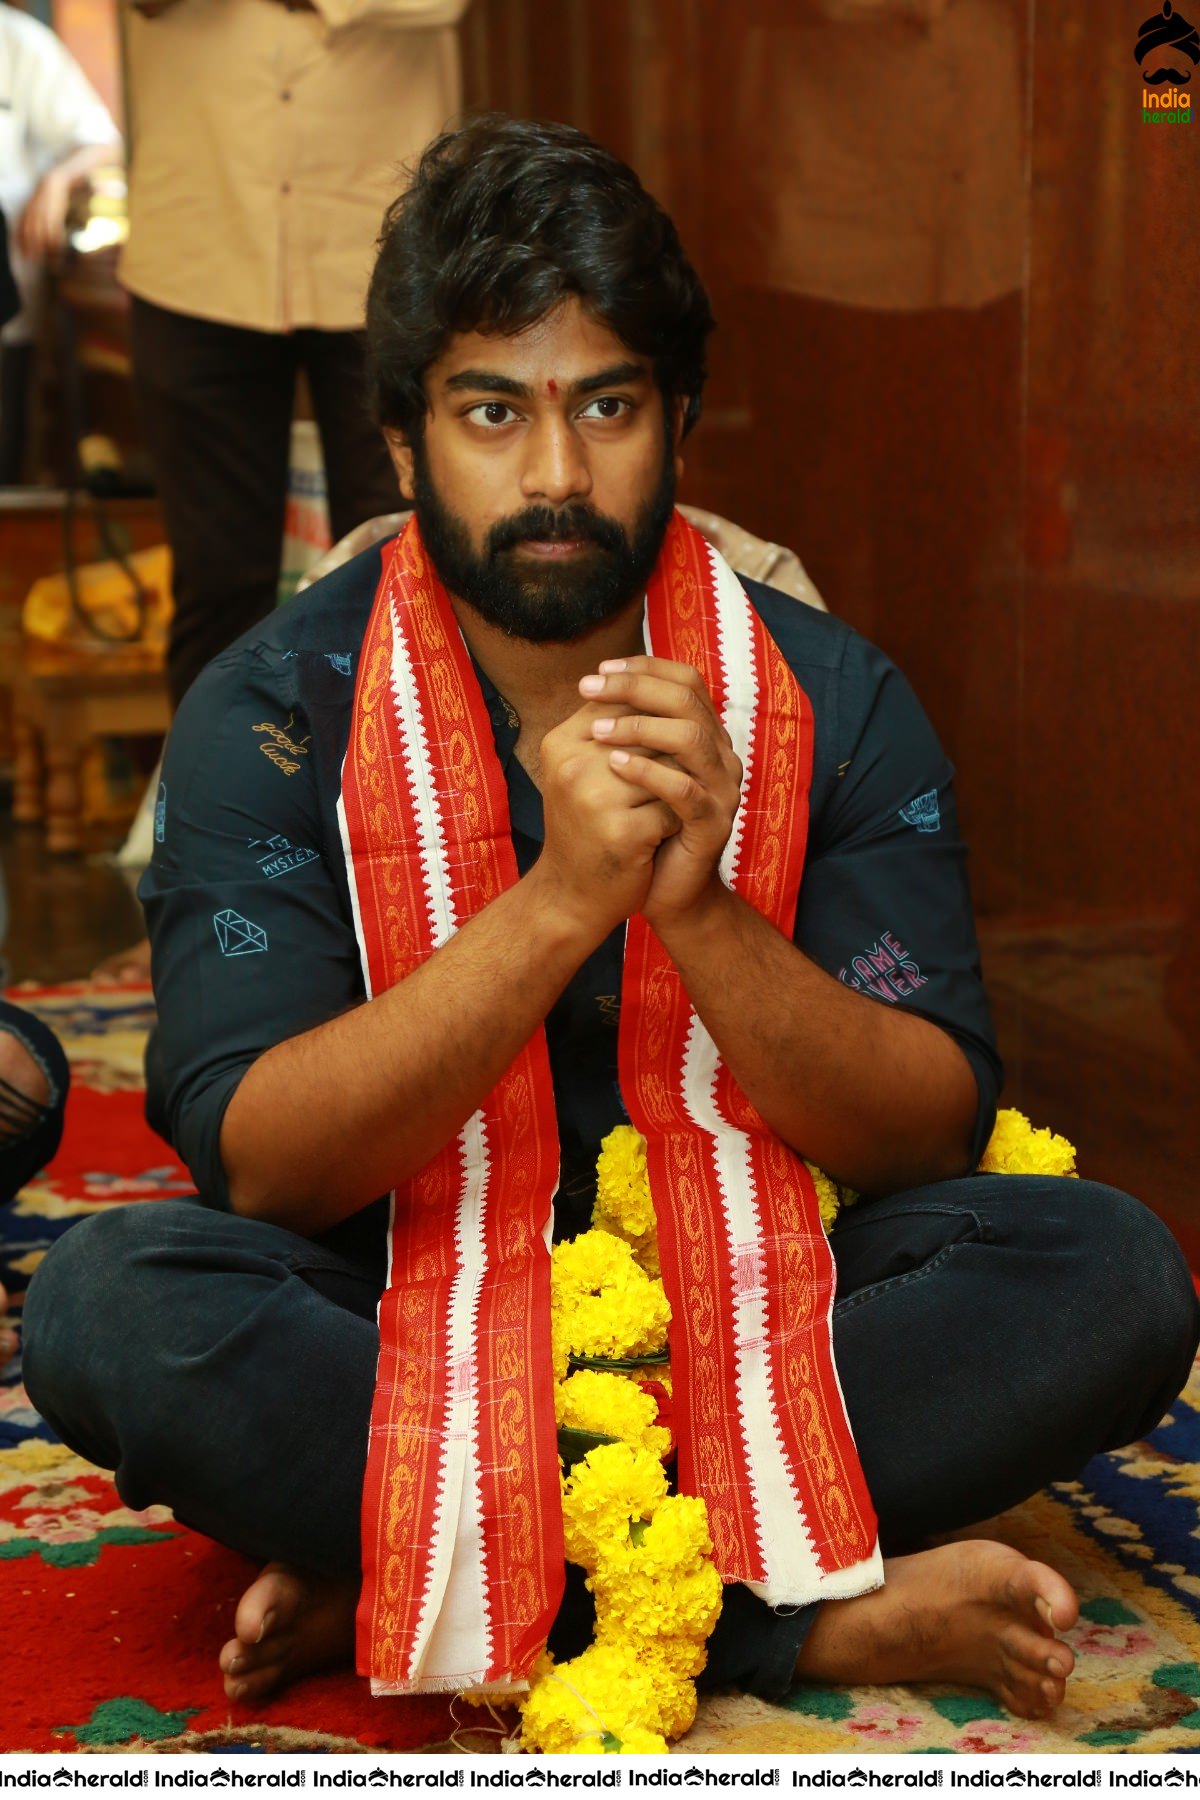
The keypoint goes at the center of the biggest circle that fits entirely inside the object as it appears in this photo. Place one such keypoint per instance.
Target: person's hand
(41, 227)
(658, 724)
(602, 830)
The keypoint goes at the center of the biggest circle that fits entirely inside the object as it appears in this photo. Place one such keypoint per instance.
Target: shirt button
(286, 94)
(285, 187)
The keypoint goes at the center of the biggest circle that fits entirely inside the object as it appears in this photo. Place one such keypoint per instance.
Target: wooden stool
(31, 531)
(62, 701)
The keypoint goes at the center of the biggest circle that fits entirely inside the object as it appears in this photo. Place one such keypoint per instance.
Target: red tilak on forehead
(552, 388)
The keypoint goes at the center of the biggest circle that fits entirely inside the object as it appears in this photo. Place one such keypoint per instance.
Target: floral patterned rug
(120, 1615)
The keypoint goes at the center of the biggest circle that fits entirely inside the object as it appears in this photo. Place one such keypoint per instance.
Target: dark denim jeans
(991, 1334)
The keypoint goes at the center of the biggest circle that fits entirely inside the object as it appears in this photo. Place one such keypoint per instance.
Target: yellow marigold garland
(647, 1552)
(648, 1555)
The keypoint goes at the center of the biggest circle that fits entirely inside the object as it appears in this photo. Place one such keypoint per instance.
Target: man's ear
(401, 454)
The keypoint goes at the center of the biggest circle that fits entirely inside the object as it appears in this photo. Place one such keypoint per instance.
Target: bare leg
(974, 1611)
(289, 1623)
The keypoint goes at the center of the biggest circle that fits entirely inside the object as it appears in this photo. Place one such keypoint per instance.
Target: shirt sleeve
(251, 938)
(885, 904)
(62, 110)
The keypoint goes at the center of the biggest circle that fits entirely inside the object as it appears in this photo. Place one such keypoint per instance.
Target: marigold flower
(599, 1701)
(635, 1740)
(828, 1198)
(636, 1604)
(674, 1693)
(604, 1494)
(622, 1183)
(624, 1206)
(673, 1541)
(602, 1303)
(1018, 1148)
(611, 1405)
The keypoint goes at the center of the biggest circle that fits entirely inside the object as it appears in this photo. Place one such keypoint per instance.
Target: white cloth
(48, 108)
(266, 144)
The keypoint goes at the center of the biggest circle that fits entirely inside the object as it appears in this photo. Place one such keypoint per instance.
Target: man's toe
(252, 1686)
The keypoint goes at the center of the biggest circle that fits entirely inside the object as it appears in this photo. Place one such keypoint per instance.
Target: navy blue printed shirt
(249, 909)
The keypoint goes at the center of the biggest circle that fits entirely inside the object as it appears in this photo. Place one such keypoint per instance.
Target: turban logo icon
(1163, 44)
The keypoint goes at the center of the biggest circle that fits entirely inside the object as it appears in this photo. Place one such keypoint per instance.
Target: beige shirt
(884, 144)
(266, 145)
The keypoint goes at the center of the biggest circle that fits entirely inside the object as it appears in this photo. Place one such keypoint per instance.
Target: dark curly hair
(504, 218)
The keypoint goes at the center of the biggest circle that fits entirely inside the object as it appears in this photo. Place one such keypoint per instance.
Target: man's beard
(563, 600)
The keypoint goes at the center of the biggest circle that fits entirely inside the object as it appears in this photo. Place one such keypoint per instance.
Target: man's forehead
(562, 348)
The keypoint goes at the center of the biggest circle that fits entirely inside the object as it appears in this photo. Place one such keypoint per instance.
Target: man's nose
(556, 467)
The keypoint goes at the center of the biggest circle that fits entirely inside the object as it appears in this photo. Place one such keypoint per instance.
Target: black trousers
(16, 375)
(216, 407)
(992, 1334)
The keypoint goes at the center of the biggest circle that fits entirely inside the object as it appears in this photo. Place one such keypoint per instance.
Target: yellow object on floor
(108, 598)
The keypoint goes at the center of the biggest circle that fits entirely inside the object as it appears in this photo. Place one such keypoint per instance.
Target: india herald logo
(1163, 42)
(1166, 51)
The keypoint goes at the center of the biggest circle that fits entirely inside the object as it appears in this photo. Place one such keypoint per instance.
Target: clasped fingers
(651, 684)
(701, 746)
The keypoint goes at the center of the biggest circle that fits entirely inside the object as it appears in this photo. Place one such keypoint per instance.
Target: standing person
(882, 191)
(54, 130)
(267, 137)
(453, 876)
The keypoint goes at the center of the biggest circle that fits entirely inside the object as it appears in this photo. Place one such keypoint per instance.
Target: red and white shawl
(462, 1527)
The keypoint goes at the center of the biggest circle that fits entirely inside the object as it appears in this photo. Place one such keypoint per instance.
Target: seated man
(529, 822)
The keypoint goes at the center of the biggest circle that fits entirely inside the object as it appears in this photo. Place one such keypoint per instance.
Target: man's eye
(491, 412)
(606, 406)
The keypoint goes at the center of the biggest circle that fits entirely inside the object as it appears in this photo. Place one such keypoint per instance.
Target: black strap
(20, 1115)
(77, 488)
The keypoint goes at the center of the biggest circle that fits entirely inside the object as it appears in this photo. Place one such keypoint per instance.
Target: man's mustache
(548, 524)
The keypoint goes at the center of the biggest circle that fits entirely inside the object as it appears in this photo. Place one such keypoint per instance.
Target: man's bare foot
(288, 1623)
(127, 968)
(973, 1611)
